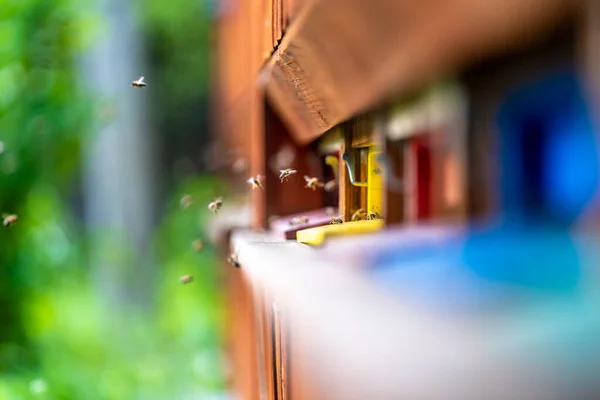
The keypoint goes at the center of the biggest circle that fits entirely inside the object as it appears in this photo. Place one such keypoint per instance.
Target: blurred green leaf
(60, 338)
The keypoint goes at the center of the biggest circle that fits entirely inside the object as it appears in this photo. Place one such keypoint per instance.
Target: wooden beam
(343, 57)
(351, 338)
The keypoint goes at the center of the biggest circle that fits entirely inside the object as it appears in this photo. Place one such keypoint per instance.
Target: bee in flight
(139, 83)
(9, 219)
(233, 260)
(312, 183)
(331, 185)
(359, 214)
(186, 279)
(336, 220)
(186, 201)
(373, 215)
(197, 245)
(284, 174)
(255, 181)
(299, 221)
(240, 166)
(215, 205)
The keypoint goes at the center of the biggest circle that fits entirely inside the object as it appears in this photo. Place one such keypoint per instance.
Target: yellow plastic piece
(375, 183)
(316, 236)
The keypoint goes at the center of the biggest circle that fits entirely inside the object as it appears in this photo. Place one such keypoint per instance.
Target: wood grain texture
(343, 57)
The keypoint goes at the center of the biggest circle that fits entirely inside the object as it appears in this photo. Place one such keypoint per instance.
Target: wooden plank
(264, 327)
(442, 353)
(242, 335)
(342, 57)
(395, 195)
(279, 345)
(405, 351)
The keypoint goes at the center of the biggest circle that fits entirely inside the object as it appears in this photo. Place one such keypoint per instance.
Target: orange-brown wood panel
(447, 185)
(238, 109)
(375, 50)
(279, 344)
(394, 199)
(242, 335)
(267, 21)
(290, 196)
(264, 344)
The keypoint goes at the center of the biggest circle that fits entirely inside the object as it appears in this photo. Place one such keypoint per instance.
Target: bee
(377, 171)
(186, 279)
(331, 185)
(284, 174)
(312, 183)
(233, 260)
(273, 218)
(240, 166)
(372, 215)
(186, 201)
(215, 205)
(336, 220)
(358, 214)
(139, 83)
(299, 221)
(9, 219)
(330, 211)
(255, 182)
(197, 244)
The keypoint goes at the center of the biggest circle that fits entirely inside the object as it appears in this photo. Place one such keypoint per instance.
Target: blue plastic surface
(483, 267)
(548, 151)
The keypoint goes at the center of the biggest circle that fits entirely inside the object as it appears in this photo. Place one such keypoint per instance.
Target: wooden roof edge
(340, 58)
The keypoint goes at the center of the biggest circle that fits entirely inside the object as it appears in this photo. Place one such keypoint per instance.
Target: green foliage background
(58, 339)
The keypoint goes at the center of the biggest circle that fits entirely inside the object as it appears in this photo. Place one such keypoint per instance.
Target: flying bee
(372, 215)
(186, 279)
(312, 183)
(358, 214)
(9, 219)
(299, 221)
(240, 166)
(186, 201)
(273, 218)
(215, 205)
(331, 185)
(197, 245)
(233, 260)
(139, 83)
(284, 174)
(330, 211)
(336, 220)
(255, 182)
